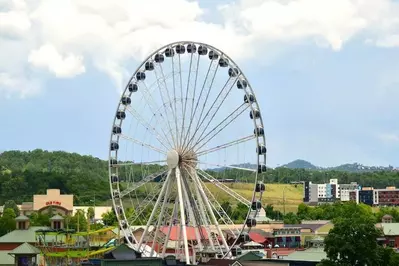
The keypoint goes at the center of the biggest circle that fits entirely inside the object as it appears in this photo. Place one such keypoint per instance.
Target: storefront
(53, 199)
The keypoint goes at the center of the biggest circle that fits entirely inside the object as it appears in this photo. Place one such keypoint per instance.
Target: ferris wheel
(187, 121)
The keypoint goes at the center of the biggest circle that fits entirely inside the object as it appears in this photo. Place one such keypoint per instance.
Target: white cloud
(63, 67)
(61, 36)
(389, 41)
(389, 137)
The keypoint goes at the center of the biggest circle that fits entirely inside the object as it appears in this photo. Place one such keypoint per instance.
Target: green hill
(23, 174)
(300, 164)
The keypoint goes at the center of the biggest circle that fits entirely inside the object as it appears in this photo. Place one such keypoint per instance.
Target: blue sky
(326, 73)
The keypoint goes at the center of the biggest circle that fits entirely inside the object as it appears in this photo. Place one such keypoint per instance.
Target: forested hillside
(26, 173)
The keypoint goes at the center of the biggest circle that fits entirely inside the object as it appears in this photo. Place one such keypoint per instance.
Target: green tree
(40, 219)
(10, 204)
(226, 206)
(291, 218)
(109, 218)
(77, 222)
(90, 213)
(7, 221)
(352, 242)
(272, 213)
(303, 211)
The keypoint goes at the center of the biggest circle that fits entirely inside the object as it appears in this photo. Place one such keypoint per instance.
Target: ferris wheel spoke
(139, 184)
(226, 145)
(211, 213)
(219, 209)
(161, 195)
(192, 68)
(191, 117)
(165, 202)
(205, 220)
(163, 89)
(207, 86)
(154, 108)
(222, 125)
(193, 215)
(217, 103)
(144, 204)
(182, 213)
(182, 100)
(223, 187)
(175, 72)
(140, 163)
(162, 140)
(142, 144)
(167, 237)
(227, 166)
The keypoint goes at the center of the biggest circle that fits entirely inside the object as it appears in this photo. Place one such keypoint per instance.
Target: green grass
(273, 194)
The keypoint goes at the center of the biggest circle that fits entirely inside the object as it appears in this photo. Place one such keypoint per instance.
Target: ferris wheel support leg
(201, 208)
(174, 212)
(191, 213)
(211, 213)
(164, 203)
(182, 214)
(154, 209)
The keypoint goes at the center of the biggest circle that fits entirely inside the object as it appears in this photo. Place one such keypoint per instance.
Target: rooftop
(22, 236)
(390, 229)
(57, 218)
(25, 249)
(5, 258)
(21, 218)
(310, 254)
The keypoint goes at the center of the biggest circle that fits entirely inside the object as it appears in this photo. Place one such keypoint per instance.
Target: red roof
(258, 238)
(174, 233)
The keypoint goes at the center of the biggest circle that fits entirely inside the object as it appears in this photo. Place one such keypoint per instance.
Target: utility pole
(284, 200)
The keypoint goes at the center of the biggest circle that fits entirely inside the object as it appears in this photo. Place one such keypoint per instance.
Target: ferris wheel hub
(172, 159)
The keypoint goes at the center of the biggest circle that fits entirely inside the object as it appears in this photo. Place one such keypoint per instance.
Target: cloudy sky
(325, 72)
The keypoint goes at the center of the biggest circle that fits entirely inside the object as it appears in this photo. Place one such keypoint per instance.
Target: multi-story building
(332, 191)
(344, 190)
(329, 192)
(310, 192)
(386, 197)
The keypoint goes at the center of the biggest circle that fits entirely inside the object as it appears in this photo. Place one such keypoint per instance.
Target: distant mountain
(300, 164)
(348, 167)
(356, 167)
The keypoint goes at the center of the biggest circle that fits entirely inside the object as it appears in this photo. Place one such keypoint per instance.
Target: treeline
(377, 179)
(23, 174)
(339, 210)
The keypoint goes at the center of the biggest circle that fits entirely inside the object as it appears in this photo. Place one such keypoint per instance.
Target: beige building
(59, 203)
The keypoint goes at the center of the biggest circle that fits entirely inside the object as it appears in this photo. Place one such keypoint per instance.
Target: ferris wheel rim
(253, 106)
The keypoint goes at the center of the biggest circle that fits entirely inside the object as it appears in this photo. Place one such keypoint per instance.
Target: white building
(345, 190)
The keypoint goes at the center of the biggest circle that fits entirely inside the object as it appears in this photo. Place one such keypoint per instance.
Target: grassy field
(273, 194)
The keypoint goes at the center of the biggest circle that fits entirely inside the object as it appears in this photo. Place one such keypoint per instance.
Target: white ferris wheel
(187, 121)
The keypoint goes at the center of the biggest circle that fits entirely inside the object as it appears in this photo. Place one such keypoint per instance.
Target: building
(345, 189)
(312, 229)
(391, 234)
(386, 197)
(366, 197)
(328, 192)
(332, 191)
(59, 204)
